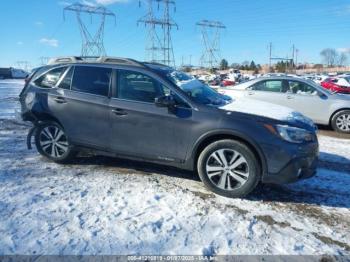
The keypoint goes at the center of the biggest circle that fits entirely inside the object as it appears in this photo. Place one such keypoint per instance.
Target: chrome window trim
(47, 71)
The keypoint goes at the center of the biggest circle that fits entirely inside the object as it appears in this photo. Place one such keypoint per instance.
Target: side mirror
(322, 96)
(165, 101)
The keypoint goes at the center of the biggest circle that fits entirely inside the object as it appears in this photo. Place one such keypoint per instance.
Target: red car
(338, 85)
(228, 82)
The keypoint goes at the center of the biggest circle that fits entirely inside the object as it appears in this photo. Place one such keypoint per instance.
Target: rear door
(81, 103)
(307, 100)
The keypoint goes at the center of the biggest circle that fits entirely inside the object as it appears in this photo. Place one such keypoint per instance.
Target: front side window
(92, 80)
(139, 87)
(51, 78)
(300, 88)
(276, 86)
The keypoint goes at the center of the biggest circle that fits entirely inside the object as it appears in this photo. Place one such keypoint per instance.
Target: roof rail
(118, 60)
(67, 59)
(94, 59)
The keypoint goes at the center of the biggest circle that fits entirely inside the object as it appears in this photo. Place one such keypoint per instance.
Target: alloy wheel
(343, 122)
(227, 169)
(53, 141)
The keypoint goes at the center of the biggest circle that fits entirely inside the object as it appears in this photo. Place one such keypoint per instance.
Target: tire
(341, 122)
(52, 143)
(241, 178)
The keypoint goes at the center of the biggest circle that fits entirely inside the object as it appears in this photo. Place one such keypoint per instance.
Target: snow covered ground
(101, 205)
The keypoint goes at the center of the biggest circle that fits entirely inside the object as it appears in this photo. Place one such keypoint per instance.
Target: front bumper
(296, 169)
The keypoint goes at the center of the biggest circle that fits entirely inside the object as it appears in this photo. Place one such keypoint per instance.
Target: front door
(272, 91)
(140, 128)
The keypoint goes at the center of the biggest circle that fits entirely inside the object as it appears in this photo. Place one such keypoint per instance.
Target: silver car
(305, 96)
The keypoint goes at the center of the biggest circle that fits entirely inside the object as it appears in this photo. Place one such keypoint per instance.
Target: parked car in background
(320, 78)
(235, 74)
(150, 112)
(228, 82)
(305, 96)
(12, 73)
(338, 85)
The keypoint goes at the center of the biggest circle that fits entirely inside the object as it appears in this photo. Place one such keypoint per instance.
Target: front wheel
(229, 168)
(52, 142)
(341, 121)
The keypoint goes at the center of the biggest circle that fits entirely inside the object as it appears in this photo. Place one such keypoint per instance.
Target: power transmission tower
(154, 46)
(44, 60)
(211, 42)
(92, 44)
(24, 65)
(159, 47)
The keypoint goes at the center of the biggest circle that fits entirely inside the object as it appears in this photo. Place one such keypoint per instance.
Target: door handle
(250, 93)
(119, 112)
(60, 100)
(289, 97)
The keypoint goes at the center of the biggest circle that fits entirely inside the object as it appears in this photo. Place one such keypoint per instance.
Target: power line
(92, 44)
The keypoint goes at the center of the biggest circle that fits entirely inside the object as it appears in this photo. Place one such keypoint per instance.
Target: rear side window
(51, 78)
(300, 88)
(92, 80)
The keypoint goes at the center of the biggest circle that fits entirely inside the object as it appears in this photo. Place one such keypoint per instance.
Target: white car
(305, 96)
(344, 81)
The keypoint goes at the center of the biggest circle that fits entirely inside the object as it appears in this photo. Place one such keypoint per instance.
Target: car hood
(268, 110)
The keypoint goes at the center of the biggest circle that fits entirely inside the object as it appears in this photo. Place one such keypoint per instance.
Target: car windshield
(198, 91)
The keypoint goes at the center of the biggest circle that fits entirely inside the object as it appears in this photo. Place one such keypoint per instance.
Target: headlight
(294, 134)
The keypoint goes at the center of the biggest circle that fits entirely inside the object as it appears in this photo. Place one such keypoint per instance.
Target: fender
(227, 132)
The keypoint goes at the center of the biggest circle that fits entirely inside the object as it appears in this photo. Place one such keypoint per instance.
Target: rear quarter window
(51, 78)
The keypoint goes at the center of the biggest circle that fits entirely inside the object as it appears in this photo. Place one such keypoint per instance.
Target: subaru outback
(153, 113)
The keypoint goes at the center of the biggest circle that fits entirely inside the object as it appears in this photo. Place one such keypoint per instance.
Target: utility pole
(211, 42)
(159, 48)
(296, 57)
(270, 57)
(293, 57)
(92, 44)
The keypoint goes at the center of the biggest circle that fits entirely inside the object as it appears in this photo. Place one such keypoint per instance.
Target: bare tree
(342, 59)
(329, 56)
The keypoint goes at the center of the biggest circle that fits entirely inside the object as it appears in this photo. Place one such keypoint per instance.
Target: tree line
(246, 65)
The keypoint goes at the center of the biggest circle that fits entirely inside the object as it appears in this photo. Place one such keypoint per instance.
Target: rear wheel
(52, 142)
(229, 168)
(341, 121)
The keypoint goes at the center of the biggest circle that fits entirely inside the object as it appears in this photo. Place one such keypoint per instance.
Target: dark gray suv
(151, 112)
